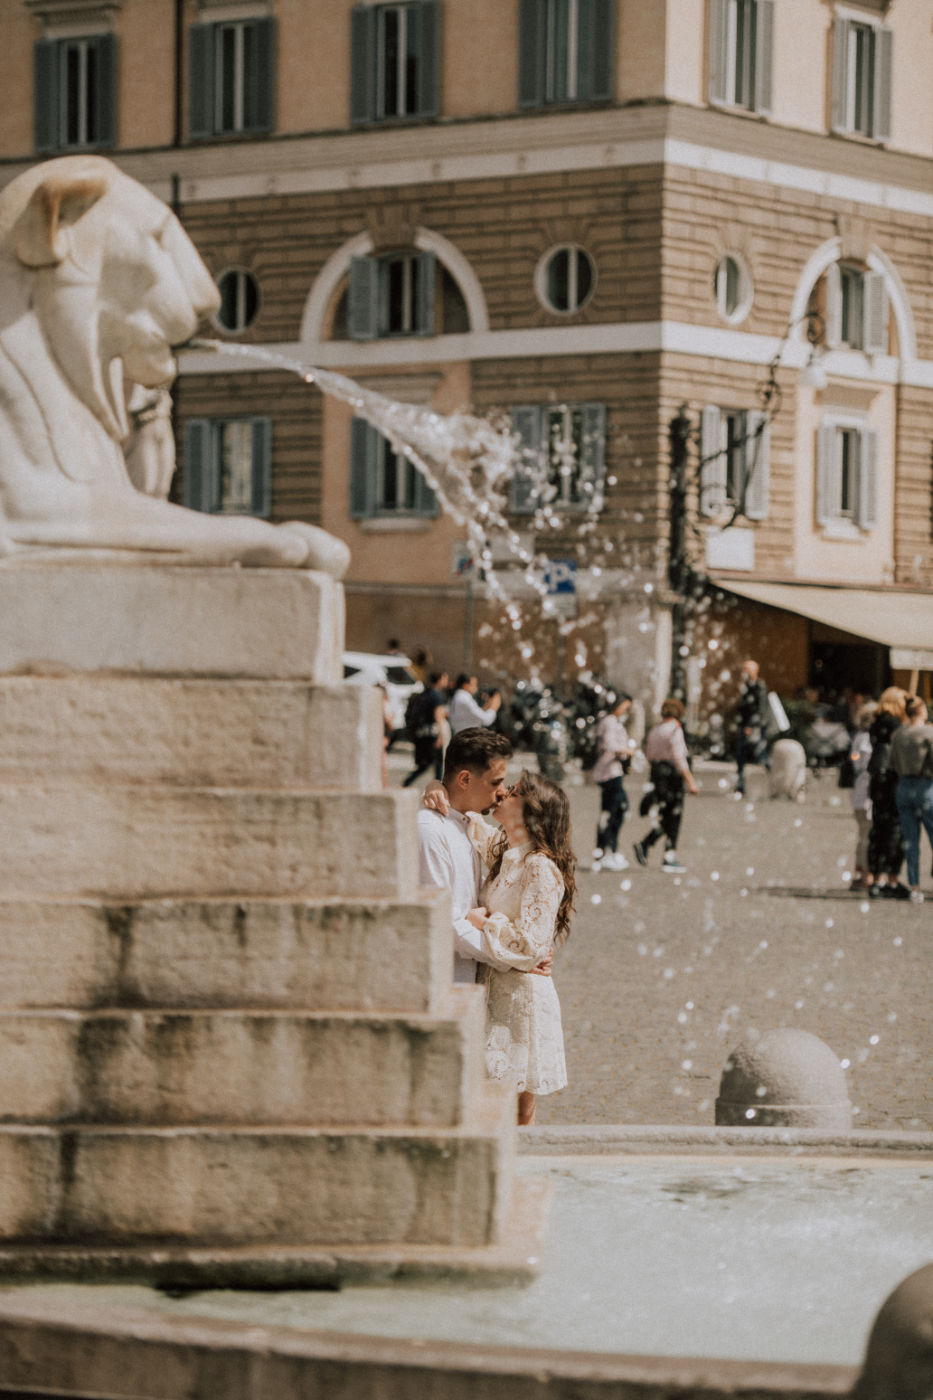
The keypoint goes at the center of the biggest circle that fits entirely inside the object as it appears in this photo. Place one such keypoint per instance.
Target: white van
(393, 672)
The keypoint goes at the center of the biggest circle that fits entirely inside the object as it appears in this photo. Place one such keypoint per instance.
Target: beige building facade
(573, 216)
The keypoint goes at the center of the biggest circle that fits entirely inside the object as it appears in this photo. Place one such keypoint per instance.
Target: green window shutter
(593, 455)
(867, 509)
(764, 54)
(259, 78)
(104, 94)
(713, 459)
(884, 46)
(362, 63)
(718, 55)
(201, 81)
(596, 50)
(364, 446)
(198, 481)
(262, 467)
(45, 96)
(825, 471)
(428, 50)
(840, 97)
(532, 53)
(427, 294)
(757, 465)
(875, 311)
(524, 487)
(363, 299)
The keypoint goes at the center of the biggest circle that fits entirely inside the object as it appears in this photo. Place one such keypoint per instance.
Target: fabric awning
(897, 619)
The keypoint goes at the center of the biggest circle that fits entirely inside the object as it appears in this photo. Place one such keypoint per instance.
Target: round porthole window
(732, 286)
(239, 299)
(566, 278)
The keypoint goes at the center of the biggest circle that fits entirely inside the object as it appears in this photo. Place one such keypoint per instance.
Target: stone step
(126, 843)
(171, 1068)
(374, 955)
(239, 1186)
(197, 733)
(136, 619)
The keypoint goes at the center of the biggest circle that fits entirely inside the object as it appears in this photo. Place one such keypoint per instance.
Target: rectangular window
(862, 56)
(735, 452)
(232, 75)
(856, 309)
(75, 93)
(392, 295)
(394, 61)
(561, 457)
(384, 483)
(566, 51)
(846, 476)
(227, 465)
(741, 41)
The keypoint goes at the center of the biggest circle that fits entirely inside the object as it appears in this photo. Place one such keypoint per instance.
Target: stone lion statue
(98, 283)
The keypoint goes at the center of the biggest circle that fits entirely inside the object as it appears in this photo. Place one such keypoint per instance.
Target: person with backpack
(614, 751)
(426, 726)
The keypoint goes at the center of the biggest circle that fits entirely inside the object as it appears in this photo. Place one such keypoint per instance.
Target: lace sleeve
(522, 943)
(484, 837)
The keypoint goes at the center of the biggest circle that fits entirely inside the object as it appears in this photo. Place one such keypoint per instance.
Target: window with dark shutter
(227, 465)
(231, 85)
(566, 51)
(394, 61)
(75, 93)
(384, 483)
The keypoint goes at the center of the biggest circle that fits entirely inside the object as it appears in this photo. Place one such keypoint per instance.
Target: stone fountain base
(232, 1048)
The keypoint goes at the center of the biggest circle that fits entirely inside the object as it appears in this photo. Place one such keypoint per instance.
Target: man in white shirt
(465, 713)
(474, 779)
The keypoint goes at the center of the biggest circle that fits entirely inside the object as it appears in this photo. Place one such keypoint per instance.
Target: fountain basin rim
(643, 1139)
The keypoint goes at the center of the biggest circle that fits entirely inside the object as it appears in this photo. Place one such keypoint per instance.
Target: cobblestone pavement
(664, 975)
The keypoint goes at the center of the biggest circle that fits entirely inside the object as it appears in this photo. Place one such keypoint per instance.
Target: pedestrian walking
(614, 751)
(860, 754)
(464, 712)
(666, 751)
(429, 710)
(751, 745)
(912, 760)
(885, 842)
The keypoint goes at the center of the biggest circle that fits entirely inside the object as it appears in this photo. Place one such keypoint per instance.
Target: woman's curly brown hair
(547, 817)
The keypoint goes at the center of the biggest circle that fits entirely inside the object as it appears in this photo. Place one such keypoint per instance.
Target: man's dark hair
(433, 678)
(475, 749)
(464, 678)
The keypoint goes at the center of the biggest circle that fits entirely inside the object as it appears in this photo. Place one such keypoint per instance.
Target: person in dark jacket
(751, 744)
(885, 842)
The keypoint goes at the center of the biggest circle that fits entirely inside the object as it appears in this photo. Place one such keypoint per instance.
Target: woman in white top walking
(614, 751)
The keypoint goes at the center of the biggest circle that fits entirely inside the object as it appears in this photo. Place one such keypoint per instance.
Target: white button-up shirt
(449, 860)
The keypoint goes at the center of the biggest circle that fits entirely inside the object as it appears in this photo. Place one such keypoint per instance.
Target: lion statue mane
(98, 283)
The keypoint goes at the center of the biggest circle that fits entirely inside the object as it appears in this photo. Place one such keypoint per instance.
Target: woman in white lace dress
(528, 899)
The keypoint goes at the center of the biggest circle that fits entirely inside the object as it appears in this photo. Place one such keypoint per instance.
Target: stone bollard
(789, 770)
(899, 1357)
(785, 1078)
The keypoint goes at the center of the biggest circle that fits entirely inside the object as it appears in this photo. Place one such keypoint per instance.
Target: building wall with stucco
(660, 181)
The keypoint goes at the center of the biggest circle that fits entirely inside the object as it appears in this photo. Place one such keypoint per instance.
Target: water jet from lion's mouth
(468, 462)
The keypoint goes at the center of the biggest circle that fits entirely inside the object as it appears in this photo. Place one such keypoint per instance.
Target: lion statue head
(98, 284)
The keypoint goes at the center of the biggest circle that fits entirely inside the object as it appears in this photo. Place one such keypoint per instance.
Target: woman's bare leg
(526, 1108)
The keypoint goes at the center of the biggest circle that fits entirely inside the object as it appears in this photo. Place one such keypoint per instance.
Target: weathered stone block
(153, 620)
(366, 955)
(142, 842)
(262, 1185)
(202, 733)
(242, 1067)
